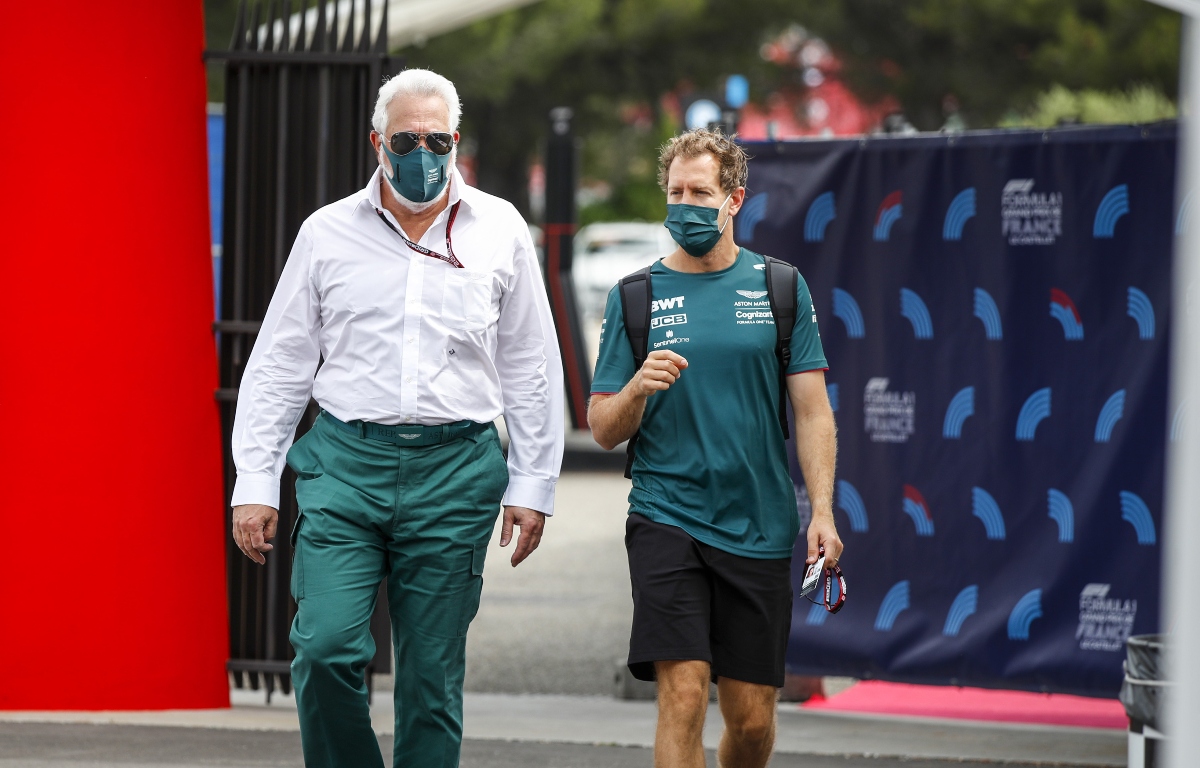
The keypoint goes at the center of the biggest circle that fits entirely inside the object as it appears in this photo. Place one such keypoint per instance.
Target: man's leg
(448, 501)
(336, 570)
(682, 704)
(749, 712)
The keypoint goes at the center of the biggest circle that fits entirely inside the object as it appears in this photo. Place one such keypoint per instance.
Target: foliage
(1140, 104)
(993, 57)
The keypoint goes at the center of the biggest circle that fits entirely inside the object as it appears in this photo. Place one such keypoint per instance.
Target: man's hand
(823, 533)
(253, 526)
(531, 523)
(658, 373)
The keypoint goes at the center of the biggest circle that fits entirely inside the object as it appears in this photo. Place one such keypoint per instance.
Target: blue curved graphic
(962, 207)
(895, 601)
(890, 211)
(851, 503)
(1023, 613)
(1135, 512)
(1140, 309)
(914, 309)
(963, 606)
(832, 391)
(1036, 408)
(845, 308)
(1110, 414)
(816, 615)
(1179, 421)
(1063, 513)
(1183, 218)
(986, 509)
(820, 213)
(987, 311)
(1114, 205)
(754, 211)
(962, 407)
(915, 507)
(1063, 309)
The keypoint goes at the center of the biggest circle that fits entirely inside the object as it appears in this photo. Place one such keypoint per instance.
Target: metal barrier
(300, 89)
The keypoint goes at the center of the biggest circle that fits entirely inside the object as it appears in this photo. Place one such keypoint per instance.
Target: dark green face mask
(694, 227)
(419, 176)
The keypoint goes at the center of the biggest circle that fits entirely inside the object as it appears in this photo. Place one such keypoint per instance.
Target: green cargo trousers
(420, 517)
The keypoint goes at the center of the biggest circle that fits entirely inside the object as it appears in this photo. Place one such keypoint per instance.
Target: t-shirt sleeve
(614, 366)
(807, 353)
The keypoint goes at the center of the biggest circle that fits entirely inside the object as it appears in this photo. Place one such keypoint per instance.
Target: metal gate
(300, 88)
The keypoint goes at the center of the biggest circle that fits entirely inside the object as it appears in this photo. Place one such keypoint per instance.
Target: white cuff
(256, 489)
(531, 493)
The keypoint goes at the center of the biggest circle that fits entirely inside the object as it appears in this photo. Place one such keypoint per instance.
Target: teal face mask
(419, 176)
(694, 227)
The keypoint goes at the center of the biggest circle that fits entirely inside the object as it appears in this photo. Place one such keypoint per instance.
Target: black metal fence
(300, 87)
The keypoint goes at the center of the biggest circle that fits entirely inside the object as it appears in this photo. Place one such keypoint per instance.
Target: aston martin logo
(752, 294)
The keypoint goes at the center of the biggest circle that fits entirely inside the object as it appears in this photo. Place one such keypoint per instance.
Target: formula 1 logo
(1028, 217)
(888, 417)
(890, 211)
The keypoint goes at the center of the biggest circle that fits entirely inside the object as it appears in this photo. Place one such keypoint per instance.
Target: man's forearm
(816, 447)
(616, 418)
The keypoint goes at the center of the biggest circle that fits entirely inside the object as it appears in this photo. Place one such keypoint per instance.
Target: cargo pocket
(472, 596)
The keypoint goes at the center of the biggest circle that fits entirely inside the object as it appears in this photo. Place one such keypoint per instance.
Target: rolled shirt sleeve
(278, 380)
(531, 380)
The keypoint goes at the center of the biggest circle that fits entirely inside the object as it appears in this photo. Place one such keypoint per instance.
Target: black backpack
(781, 291)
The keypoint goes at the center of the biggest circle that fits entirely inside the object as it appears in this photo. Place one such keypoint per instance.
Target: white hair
(416, 82)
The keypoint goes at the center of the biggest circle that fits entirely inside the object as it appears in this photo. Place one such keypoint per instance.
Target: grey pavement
(540, 663)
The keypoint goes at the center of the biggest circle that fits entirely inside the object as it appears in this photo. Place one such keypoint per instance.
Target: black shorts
(694, 602)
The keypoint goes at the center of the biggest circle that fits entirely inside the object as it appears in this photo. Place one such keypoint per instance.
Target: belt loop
(444, 437)
(362, 429)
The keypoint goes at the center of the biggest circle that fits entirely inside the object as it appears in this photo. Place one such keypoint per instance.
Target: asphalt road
(36, 745)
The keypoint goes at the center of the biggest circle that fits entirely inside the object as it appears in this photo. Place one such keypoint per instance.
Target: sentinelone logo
(1028, 217)
(1105, 623)
(888, 417)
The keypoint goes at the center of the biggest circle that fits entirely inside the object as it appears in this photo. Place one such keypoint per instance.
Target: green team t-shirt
(711, 458)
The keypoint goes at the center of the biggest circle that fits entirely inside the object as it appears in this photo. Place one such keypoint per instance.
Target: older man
(712, 510)
(422, 297)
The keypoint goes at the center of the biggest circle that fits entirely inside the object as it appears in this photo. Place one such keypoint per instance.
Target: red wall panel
(112, 559)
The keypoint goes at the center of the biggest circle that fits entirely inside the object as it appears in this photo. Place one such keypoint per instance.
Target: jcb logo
(672, 303)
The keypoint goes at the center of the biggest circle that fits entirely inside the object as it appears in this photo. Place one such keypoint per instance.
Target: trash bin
(1142, 694)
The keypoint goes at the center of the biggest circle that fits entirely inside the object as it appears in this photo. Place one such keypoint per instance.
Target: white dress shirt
(407, 339)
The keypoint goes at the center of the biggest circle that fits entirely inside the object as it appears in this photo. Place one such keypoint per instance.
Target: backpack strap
(782, 279)
(635, 308)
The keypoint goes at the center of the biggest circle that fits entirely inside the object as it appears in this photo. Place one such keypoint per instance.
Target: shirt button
(409, 340)
(408, 379)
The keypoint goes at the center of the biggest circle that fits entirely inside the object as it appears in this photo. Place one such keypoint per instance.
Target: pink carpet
(974, 704)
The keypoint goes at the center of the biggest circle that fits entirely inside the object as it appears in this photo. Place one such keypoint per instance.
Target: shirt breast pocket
(467, 303)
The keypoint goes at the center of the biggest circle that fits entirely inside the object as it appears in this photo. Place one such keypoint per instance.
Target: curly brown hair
(730, 156)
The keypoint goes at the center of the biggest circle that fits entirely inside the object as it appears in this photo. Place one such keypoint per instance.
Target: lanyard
(449, 258)
(831, 605)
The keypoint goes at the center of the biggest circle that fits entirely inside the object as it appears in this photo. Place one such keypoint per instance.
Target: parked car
(604, 253)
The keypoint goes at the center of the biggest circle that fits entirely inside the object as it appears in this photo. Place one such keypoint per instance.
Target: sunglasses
(403, 142)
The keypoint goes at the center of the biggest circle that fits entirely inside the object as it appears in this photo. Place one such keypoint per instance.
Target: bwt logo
(916, 508)
(1065, 312)
(890, 211)
(754, 211)
(675, 302)
(1114, 205)
(962, 207)
(820, 213)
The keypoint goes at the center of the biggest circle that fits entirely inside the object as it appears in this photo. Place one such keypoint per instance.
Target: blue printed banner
(994, 310)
